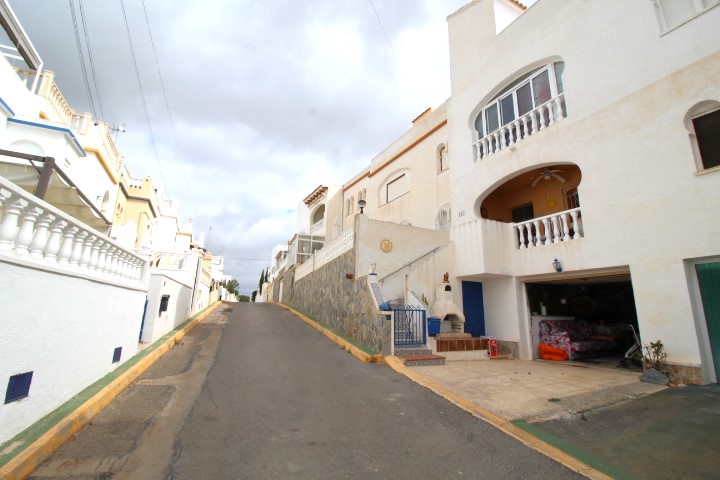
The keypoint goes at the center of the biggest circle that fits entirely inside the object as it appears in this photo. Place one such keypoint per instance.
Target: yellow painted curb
(341, 342)
(37, 452)
(506, 426)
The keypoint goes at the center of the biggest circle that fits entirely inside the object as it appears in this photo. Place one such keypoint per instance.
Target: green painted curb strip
(574, 451)
(17, 446)
(354, 342)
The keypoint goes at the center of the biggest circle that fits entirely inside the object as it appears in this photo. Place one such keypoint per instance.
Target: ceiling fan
(548, 174)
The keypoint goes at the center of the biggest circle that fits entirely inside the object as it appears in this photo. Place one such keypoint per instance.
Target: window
(164, 303)
(521, 97)
(570, 197)
(396, 188)
(117, 354)
(442, 218)
(703, 125)
(672, 13)
(523, 213)
(525, 106)
(707, 135)
(442, 159)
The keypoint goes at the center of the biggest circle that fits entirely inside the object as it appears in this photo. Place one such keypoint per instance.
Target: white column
(556, 229)
(547, 228)
(52, 248)
(577, 224)
(9, 228)
(538, 237)
(66, 247)
(40, 239)
(566, 228)
(521, 230)
(77, 250)
(27, 227)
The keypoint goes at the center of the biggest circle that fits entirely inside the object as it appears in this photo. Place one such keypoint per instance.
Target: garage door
(709, 280)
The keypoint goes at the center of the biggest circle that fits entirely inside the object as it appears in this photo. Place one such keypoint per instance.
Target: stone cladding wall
(342, 304)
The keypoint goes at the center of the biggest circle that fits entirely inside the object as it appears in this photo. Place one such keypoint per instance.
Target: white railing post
(9, 228)
(52, 247)
(40, 239)
(27, 226)
(66, 247)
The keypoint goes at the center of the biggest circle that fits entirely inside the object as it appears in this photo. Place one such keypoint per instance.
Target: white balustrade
(522, 127)
(555, 228)
(317, 226)
(32, 230)
(341, 244)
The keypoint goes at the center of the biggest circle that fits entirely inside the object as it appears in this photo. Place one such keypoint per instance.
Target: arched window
(703, 125)
(528, 104)
(442, 160)
(395, 186)
(442, 218)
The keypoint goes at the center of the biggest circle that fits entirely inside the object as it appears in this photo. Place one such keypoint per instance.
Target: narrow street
(254, 392)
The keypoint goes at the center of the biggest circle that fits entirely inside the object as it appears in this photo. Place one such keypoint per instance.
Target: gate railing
(410, 326)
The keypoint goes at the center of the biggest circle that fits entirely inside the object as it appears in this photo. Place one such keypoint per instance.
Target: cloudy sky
(267, 99)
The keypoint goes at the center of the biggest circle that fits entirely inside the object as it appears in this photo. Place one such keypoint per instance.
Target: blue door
(472, 295)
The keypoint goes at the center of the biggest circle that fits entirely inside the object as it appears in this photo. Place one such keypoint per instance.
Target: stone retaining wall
(342, 304)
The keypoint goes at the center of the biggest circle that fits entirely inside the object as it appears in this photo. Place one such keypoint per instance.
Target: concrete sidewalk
(601, 422)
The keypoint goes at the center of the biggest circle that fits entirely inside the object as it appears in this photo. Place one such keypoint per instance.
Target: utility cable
(78, 45)
(142, 96)
(397, 61)
(90, 58)
(167, 106)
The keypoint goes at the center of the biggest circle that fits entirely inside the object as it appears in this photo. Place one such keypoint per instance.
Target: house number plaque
(386, 246)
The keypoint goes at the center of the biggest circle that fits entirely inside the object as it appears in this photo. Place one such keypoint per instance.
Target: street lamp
(361, 204)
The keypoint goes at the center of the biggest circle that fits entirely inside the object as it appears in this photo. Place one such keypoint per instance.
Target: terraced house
(92, 260)
(574, 174)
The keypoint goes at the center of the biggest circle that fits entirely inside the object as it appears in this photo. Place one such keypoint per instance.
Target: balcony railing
(317, 226)
(170, 261)
(33, 231)
(514, 132)
(555, 228)
(341, 244)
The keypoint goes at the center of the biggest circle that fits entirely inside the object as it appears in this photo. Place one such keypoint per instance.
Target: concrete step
(422, 360)
(405, 351)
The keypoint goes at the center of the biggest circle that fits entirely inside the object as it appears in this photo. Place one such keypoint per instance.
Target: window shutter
(676, 11)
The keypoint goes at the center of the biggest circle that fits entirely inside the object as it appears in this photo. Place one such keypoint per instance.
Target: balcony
(531, 123)
(32, 231)
(555, 228)
(317, 226)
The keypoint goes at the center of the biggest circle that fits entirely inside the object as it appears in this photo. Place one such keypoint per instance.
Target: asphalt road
(255, 393)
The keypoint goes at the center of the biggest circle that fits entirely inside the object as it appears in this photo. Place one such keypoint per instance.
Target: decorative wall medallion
(550, 203)
(386, 246)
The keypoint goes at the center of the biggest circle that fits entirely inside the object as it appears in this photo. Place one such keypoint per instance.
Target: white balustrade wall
(341, 244)
(514, 132)
(35, 231)
(555, 228)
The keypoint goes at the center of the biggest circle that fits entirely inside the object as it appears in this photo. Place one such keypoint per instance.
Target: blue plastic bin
(433, 325)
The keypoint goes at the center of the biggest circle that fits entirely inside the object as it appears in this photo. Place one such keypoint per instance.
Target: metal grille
(410, 326)
(18, 387)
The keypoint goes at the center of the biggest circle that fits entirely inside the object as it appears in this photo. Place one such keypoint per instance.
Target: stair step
(404, 352)
(422, 360)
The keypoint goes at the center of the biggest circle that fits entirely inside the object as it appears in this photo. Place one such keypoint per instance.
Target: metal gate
(410, 326)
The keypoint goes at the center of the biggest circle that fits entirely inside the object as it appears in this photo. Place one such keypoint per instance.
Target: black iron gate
(410, 326)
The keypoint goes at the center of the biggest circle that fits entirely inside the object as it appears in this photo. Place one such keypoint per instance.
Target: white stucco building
(576, 171)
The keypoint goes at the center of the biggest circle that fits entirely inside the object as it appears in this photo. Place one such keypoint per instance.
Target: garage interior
(596, 315)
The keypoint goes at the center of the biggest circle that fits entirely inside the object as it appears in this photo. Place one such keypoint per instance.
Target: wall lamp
(361, 204)
(557, 265)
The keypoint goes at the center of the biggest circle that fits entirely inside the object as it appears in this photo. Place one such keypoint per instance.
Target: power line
(142, 96)
(167, 105)
(78, 45)
(90, 58)
(397, 61)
